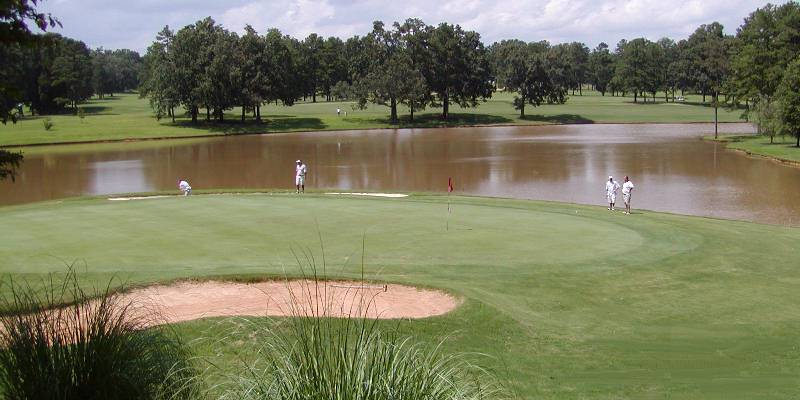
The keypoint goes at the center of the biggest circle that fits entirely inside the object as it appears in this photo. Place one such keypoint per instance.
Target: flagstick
(447, 228)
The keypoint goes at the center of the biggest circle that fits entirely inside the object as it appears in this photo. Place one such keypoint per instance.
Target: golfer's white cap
(610, 177)
(297, 161)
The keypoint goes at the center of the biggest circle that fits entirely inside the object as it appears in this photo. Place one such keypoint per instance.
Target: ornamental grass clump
(60, 342)
(312, 356)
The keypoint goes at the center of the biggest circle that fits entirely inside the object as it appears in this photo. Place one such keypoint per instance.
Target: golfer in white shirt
(611, 192)
(627, 189)
(300, 176)
(184, 187)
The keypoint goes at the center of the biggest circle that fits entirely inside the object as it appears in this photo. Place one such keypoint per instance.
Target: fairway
(127, 116)
(566, 301)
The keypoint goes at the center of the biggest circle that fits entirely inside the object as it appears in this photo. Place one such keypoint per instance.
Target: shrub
(313, 357)
(91, 348)
(47, 123)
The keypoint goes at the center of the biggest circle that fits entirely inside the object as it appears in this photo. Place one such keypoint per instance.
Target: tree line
(50, 73)
(205, 68)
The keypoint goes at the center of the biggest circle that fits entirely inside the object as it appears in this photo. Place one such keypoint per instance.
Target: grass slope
(568, 301)
(128, 117)
(782, 149)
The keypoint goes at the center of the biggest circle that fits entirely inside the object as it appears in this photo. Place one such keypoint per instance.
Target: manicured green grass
(567, 301)
(127, 116)
(783, 148)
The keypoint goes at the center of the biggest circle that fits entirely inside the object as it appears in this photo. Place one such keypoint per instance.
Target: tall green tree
(527, 74)
(251, 57)
(72, 73)
(159, 76)
(765, 44)
(456, 67)
(310, 57)
(14, 32)
(669, 67)
(333, 65)
(578, 57)
(601, 68)
(281, 82)
(635, 68)
(392, 77)
(788, 96)
(709, 53)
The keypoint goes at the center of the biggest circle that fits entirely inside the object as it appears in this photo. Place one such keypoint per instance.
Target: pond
(673, 169)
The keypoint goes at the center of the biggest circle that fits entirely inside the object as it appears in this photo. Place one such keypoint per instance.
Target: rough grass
(568, 301)
(313, 357)
(126, 116)
(782, 148)
(96, 347)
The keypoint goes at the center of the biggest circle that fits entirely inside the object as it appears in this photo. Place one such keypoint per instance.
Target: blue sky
(134, 23)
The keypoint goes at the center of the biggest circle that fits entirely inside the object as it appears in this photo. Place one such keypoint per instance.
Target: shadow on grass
(434, 120)
(559, 119)
(96, 110)
(250, 126)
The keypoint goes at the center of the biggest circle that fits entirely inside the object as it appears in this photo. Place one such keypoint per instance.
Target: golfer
(184, 187)
(611, 192)
(300, 176)
(627, 189)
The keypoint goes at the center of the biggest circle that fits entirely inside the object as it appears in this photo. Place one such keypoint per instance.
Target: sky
(133, 24)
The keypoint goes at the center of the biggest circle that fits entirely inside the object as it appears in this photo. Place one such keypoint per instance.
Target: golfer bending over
(611, 192)
(300, 176)
(627, 189)
(184, 187)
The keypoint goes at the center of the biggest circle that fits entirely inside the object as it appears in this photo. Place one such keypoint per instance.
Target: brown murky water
(673, 170)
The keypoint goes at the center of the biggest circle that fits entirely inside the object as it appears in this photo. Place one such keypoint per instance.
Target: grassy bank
(782, 149)
(568, 301)
(128, 117)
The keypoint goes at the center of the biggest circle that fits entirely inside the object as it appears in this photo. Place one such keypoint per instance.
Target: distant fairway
(568, 301)
(126, 116)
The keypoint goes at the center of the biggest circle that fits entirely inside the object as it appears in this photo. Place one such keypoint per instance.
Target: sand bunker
(394, 195)
(186, 301)
(137, 198)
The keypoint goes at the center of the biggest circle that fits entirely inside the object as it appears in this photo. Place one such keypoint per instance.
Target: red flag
(449, 185)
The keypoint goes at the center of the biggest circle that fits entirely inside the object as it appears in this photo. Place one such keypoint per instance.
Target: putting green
(569, 301)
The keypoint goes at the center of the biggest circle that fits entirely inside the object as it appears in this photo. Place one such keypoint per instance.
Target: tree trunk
(208, 113)
(412, 113)
(798, 139)
(522, 109)
(243, 108)
(258, 112)
(314, 97)
(580, 89)
(172, 114)
(393, 106)
(446, 107)
(716, 122)
(635, 96)
(194, 114)
(704, 96)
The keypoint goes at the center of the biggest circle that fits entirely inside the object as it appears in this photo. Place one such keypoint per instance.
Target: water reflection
(673, 170)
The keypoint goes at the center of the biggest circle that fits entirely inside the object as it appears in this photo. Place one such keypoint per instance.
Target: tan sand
(391, 195)
(186, 301)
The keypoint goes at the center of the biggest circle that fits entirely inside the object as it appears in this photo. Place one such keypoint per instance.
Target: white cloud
(134, 23)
